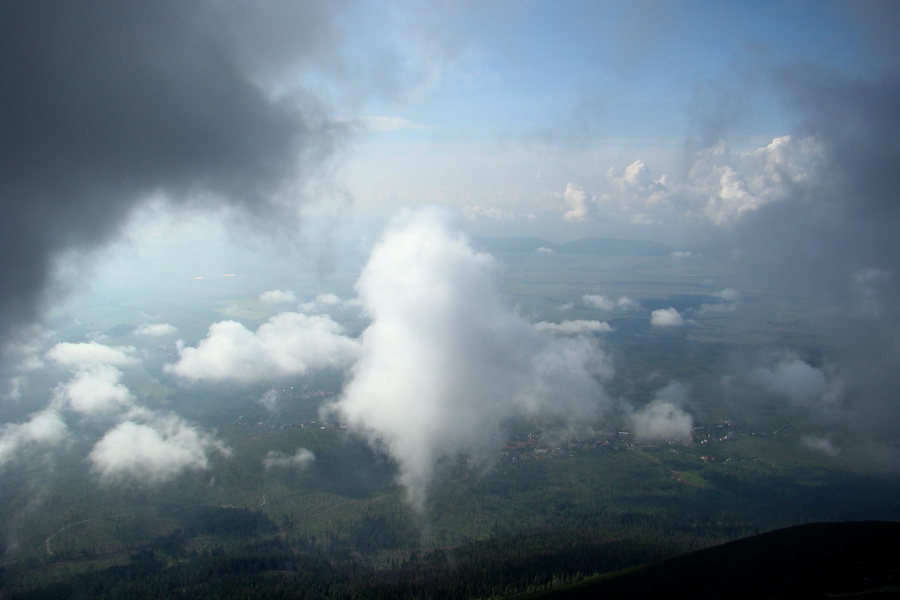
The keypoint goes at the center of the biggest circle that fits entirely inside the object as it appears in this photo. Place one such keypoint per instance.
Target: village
(538, 444)
(535, 446)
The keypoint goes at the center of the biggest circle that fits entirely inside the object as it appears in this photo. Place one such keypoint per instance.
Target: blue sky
(509, 104)
(630, 69)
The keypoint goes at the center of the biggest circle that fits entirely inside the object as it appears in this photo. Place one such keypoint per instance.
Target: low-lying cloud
(664, 418)
(87, 355)
(153, 450)
(666, 317)
(278, 297)
(94, 391)
(287, 344)
(300, 460)
(794, 379)
(574, 327)
(44, 429)
(601, 302)
(157, 330)
(445, 363)
(140, 443)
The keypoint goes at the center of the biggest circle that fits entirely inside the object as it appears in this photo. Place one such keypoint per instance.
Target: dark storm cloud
(836, 242)
(104, 103)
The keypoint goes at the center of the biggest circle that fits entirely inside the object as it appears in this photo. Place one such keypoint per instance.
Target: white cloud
(90, 354)
(637, 187)
(721, 307)
(324, 303)
(45, 428)
(278, 297)
(445, 363)
(608, 304)
(95, 387)
(664, 418)
(287, 344)
(96, 390)
(722, 186)
(300, 460)
(153, 452)
(578, 203)
(270, 400)
(666, 317)
(739, 183)
(729, 295)
(821, 444)
(796, 380)
(474, 212)
(578, 326)
(157, 330)
(662, 421)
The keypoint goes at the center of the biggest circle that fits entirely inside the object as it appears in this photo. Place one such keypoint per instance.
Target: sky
(173, 138)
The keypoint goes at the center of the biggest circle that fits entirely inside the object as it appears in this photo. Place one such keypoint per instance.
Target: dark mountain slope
(821, 560)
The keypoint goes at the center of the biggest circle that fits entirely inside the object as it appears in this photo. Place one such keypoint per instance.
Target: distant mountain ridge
(596, 246)
(819, 560)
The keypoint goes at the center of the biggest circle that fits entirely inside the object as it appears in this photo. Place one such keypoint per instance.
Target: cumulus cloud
(722, 186)
(157, 330)
(574, 327)
(286, 344)
(324, 303)
(95, 388)
(728, 303)
(155, 451)
(608, 304)
(661, 421)
(474, 212)
(729, 295)
(580, 206)
(666, 317)
(726, 186)
(85, 355)
(44, 428)
(142, 444)
(445, 363)
(94, 391)
(664, 418)
(637, 191)
(270, 400)
(278, 297)
(799, 382)
(300, 460)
